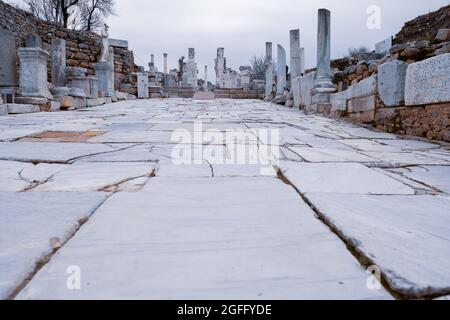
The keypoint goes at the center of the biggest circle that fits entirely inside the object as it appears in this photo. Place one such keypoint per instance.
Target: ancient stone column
(220, 66)
(295, 53)
(33, 73)
(302, 61)
(58, 66)
(192, 68)
(269, 71)
(205, 84)
(281, 70)
(165, 64)
(111, 73)
(8, 72)
(323, 82)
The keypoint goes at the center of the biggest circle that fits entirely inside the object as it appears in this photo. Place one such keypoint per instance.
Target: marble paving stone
(49, 152)
(407, 236)
(179, 240)
(331, 155)
(410, 144)
(433, 176)
(170, 169)
(11, 134)
(22, 246)
(94, 176)
(406, 158)
(17, 176)
(343, 178)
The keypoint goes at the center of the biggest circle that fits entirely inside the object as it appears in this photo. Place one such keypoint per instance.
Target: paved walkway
(150, 199)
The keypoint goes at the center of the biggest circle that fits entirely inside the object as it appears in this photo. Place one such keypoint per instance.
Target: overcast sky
(243, 26)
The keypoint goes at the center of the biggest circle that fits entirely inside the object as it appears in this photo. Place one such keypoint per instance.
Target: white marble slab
(407, 236)
(340, 178)
(49, 152)
(205, 239)
(27, 227)
(96, 176)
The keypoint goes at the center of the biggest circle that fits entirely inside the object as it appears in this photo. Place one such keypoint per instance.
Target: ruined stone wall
(83, 48)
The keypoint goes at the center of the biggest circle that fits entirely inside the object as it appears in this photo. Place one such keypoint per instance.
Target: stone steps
(187, 93)
(236, 94)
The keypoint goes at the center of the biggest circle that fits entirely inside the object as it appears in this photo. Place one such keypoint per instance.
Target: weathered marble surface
(408, 237)
(178, 213)
(181, 241)
(428, 81)
(28, 223)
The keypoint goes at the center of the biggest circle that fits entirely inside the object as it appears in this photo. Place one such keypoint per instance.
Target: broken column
(245, 77)
(142, 85)
(220, 66)
(33, 73)
(323, 83)
(295, 53)
(165, 70)
(269, 71)
(192, 69)
(205, 83)
(302, 61)
(58, 67)
(8, 72)
(281, 70)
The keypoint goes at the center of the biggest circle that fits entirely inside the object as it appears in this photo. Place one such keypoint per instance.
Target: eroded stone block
(14, 108)
(364, 88)
(428, 81)
(391, 82)
(362, 104)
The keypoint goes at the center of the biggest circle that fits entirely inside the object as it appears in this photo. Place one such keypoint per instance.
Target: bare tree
(93, 12)
(86, 15)
(258, 64)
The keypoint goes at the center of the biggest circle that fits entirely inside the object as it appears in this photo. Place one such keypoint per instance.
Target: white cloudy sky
(243, 26)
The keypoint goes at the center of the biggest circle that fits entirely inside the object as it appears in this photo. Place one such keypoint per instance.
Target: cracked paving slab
(87, 176)
(407, 236)
(341, 178)
(29, 222)
(49, 152)
(202, 237)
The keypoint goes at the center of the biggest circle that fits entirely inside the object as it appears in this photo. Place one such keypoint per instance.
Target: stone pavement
(149, 199)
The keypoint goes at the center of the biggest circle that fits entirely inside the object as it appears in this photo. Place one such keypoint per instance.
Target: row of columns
(323, 83)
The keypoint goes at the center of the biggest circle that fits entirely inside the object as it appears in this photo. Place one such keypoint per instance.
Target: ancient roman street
(105, 185)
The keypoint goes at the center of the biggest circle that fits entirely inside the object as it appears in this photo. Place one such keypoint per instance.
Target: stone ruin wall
(359, 94)
(83, 48)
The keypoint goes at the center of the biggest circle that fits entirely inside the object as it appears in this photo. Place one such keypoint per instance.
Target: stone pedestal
(78, 82)
(295, 53)
(281, 70)
(8, 72)
(33, 73)
(103, 71)
(323, 83)
(142, 85)
(269, 72)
